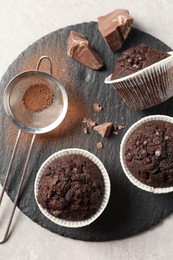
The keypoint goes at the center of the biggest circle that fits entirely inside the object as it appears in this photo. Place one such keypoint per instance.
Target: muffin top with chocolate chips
(149, 153)
(135, 59)
(71, 188)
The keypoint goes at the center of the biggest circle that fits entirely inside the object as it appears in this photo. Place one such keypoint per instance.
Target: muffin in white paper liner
(93, 158)
(147, 87)
(129, 175)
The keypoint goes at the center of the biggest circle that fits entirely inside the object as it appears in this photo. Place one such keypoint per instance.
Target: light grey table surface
(24, 21)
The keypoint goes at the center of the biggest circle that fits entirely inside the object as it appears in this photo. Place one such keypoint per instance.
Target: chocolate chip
(130, 60)
(137, 66)
(125, 56)
(143, 49)
(141, 58)
(157, 153)
(129, 157)
(145, 143)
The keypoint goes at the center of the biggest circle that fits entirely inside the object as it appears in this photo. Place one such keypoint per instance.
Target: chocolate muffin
(143, 77)
(148, 153)
(71, 188)
(135, 59)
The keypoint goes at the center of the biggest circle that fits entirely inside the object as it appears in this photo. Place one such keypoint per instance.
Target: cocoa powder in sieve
(38, 97)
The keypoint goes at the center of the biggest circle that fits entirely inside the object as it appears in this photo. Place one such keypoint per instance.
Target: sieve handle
(20, 184)
(40, 61)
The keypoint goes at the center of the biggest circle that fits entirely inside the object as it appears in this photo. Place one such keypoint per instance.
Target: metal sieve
(28, 121)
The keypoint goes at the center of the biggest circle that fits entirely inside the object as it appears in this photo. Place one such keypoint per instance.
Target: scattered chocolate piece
(104, 129)
(90, 123)
(84, 120)
(116, 128)
(97, 107)
(79, 48)
(99, 145)
(120, 127)
(85, 130)
(115, 27)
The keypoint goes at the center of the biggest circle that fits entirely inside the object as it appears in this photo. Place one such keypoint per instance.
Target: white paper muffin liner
(147, 87)
(93, 158)
(129, 175)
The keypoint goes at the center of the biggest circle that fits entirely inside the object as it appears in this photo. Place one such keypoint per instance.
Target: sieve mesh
(24, 115)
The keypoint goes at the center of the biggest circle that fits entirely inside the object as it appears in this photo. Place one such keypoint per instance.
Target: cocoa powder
(38, 97)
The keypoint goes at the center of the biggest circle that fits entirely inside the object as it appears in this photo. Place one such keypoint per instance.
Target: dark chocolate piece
(115, 27)
(148, 153)
(104, 129)
(79, 48)
(135, 59)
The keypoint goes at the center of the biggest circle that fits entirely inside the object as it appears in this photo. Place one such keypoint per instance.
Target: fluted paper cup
(147, 87)
(127, 172)
(94, 159)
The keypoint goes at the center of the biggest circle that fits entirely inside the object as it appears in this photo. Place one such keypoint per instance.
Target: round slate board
(130, 210)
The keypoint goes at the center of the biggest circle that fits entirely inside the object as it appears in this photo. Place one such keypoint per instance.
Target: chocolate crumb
(90, 123)
(115, 132)
(120, 127)
(116, 128)
(84, 120)
(104, 129)
(99, 145)
(85, 130)
(97, 107)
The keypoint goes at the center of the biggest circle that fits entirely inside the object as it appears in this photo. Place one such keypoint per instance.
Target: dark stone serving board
(130, 210)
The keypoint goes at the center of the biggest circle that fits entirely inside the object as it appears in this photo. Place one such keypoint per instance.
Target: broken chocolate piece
(120, 127)
(115, 27)
(79, 48)
(104, 129)
(97, 107)
(115, 129)
(99, 145)
(90, 123)
(85, 130)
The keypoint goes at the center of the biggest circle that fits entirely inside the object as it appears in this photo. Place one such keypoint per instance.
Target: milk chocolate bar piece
(104, 129)
(115, 27)
(79, 48)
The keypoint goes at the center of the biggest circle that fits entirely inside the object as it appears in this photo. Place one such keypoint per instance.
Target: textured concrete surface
(23, 22)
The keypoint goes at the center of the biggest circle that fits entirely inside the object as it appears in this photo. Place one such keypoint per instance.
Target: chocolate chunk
(120, 127)
(104, 129)
(85, 130)
(90, 123)
(115, 28)
(79, 48)
(97, 107)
